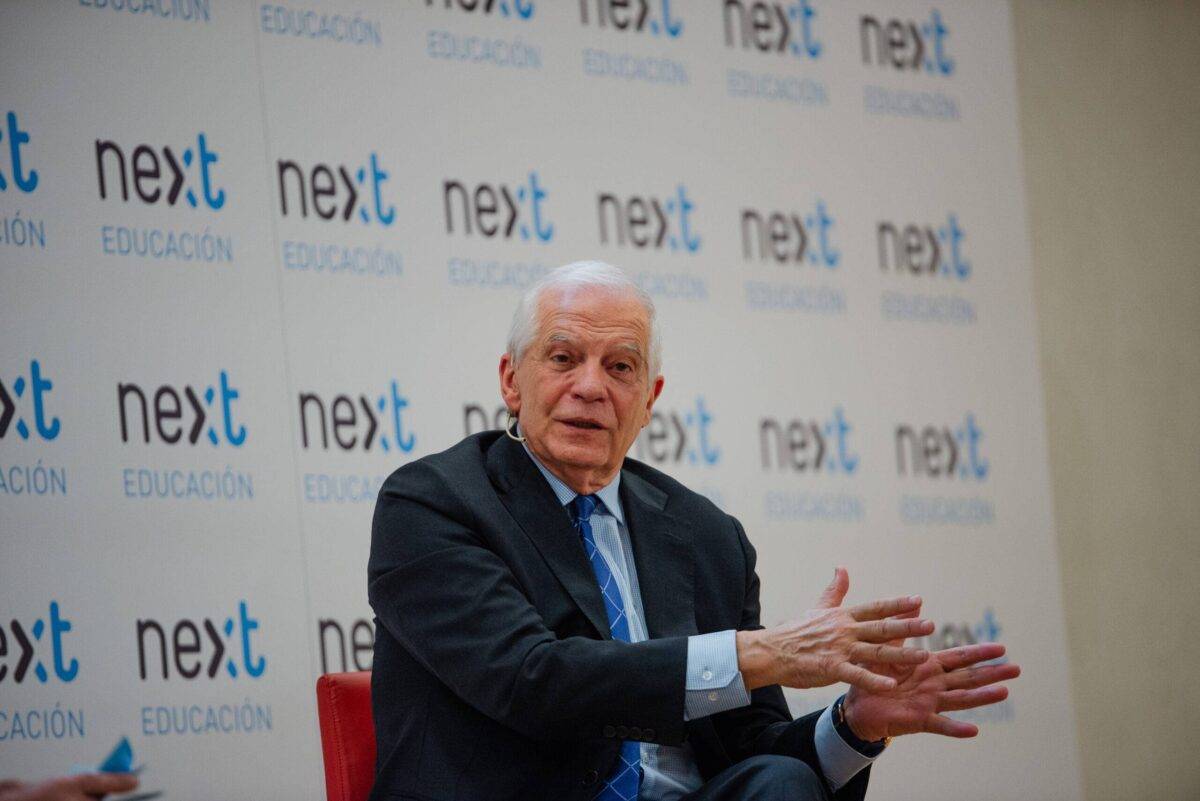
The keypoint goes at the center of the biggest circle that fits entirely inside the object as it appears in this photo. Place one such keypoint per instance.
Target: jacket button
(635, 732)
(591, 778)
(623, 732)
(648, 734)
(609, 731)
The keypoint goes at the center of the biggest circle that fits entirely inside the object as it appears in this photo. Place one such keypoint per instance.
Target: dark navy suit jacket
(495, 675)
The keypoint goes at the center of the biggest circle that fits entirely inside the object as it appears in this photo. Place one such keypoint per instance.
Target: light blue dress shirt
(713, 682)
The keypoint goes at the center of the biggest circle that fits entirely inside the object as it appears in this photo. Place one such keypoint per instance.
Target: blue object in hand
(120, 760)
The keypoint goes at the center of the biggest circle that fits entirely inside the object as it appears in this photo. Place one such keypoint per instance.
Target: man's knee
(788, 777)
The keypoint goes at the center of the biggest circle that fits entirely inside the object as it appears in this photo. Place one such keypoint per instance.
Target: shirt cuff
(714, 683)
(839, 760)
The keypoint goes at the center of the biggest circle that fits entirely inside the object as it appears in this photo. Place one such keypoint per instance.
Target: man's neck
(585, 481)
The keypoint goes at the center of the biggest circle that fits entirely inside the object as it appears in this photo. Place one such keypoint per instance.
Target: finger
(883, 653)
(905, 616)
(102, 783)
(835, 593)
(888, 607)
(957, 700)
(914, 612)
(891, 629)
(954, 658)
(859, 676)
(940, 724)
(969, 678)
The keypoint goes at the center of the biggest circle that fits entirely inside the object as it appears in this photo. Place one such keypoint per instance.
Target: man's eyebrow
(556, 337)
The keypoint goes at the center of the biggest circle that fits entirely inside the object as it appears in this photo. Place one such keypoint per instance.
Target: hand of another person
(951, 680)
(831, 644)
(84, 787)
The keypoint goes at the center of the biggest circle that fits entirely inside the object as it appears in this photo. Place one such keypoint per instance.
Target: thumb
(836, 591)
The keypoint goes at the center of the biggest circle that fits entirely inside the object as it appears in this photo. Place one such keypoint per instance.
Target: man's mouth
(583, 424)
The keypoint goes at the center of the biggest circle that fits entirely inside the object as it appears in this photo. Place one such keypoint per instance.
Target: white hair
(570, 278)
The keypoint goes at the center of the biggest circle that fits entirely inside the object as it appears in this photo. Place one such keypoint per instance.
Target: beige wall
(1110, 120)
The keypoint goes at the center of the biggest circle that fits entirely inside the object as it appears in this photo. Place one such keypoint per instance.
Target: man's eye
(559, 358)
(623, 367)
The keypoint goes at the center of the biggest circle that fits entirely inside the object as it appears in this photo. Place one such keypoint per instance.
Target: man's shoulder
(456, 464)
(674, 497)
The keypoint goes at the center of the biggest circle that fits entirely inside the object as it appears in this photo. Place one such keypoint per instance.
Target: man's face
(582, 388)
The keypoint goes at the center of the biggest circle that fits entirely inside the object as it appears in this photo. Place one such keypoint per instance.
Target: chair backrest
(347, 734)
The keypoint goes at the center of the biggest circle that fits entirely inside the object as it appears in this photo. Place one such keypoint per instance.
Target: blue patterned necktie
(622, 785)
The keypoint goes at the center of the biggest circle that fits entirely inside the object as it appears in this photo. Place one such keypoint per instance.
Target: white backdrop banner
(253, 257)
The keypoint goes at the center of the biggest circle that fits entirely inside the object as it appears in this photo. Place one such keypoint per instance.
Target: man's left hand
(949, 680)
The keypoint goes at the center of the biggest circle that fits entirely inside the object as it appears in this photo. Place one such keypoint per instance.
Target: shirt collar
(609, 495)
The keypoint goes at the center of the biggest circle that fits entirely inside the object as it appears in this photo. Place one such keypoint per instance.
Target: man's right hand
(830, 643)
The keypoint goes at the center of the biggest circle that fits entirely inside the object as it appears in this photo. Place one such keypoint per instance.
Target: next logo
(679, 436)
(478, 207)
(143, 169)
(633, 15)
(942, 451)
(772, 27)
(808, 446)
(649, 222)
(192, 654)
(906, 45)
(790, 237)
(934, 250)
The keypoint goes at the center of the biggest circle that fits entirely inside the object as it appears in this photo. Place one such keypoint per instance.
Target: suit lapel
(524, 492)
(664, 558)
(666, 565)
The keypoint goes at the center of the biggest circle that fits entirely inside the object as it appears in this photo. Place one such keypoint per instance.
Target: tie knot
(583, 506)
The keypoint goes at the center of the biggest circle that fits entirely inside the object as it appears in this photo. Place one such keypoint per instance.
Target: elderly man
(556, 621)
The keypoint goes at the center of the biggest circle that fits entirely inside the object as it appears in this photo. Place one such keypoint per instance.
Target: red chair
(347, 734)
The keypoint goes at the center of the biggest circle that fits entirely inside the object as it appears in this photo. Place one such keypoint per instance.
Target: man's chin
(580, 455)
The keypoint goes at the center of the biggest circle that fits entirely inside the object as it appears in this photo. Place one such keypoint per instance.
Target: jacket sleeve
(453, 603)
(766, 725)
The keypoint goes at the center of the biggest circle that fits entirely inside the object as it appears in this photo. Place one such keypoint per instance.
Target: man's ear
(508, 384)
(655, 391)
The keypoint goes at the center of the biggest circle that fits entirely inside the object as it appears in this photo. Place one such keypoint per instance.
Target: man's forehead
(566, 314)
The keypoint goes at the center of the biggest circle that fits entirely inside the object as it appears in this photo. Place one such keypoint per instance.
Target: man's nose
(589, 381)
